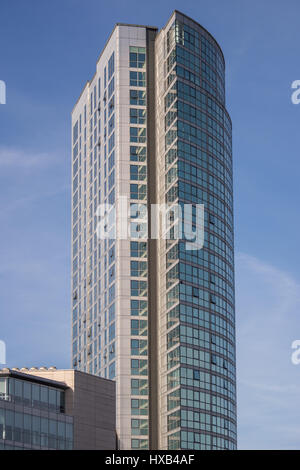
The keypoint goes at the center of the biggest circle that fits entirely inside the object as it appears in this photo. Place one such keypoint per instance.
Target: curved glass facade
(199, 305)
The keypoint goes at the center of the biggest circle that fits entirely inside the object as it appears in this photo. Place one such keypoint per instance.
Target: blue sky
(48, 49)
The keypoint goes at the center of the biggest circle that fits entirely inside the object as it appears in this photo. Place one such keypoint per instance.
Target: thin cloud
(268, 302)
(26, 201)
(286, 288)
(16, 157)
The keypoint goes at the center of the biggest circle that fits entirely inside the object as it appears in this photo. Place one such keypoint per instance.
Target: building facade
(158, 318)
(56, 409)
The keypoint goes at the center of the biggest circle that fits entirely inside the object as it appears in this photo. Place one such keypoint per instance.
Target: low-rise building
(56, 409)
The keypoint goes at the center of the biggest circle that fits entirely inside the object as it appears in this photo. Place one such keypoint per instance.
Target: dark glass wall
(200, 296)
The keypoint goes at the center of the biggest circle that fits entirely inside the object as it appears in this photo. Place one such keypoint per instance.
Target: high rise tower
(155, 316)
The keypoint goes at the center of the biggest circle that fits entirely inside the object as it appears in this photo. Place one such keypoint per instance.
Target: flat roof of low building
(18, 374)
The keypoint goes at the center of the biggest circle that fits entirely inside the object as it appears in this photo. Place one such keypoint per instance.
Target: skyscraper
(158, 318)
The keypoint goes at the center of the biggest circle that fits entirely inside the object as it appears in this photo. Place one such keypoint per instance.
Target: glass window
(11, 387)
(2, 421)
(27, 428)
(27, 393)
(18, 429)
(138, 79)
(35, 394)
(69, 436)
(112, 370)
(9, 422)
(61, 432)
(112, 332)
(137, 116)
(137, 57)
(69, 431)
(44, 432)
(44, 397)
(138, 134)
(138, 172)
(52, 399)
(139, 387)
(137, 154)
(18, 389)
(139, 307)
(3, 388)
(135, 443)
(52, 433)
(61, 401)
(111, 66)
(75, 132)
(36, 430)
(111, 87)
(138, 97)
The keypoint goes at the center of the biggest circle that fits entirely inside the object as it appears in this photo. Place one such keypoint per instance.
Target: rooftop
(24, 374)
